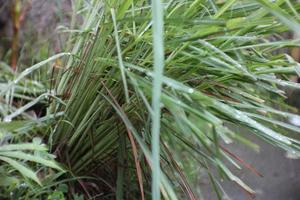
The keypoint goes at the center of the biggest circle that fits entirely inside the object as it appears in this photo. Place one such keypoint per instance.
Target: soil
(281, 175)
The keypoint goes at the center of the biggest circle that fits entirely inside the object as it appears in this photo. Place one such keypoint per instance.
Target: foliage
(220, 71)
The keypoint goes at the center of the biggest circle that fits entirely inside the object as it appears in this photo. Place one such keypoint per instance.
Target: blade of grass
(158, 48)
(134, 147)
(25, 171)
(121, 65)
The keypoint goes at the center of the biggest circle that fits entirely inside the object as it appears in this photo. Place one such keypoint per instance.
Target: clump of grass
(219, 72)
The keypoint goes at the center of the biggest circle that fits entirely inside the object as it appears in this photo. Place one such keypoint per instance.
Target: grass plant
(151, 89)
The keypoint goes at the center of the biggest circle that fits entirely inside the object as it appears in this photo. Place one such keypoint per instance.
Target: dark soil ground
(281, 175)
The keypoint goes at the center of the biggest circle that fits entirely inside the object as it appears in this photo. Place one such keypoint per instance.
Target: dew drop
(191, 90)
(7, 119)
(292, 155)
(148, 73)
(295, 120)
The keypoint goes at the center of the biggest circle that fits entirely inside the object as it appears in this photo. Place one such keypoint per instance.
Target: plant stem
(16, 10)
